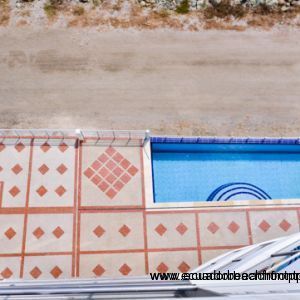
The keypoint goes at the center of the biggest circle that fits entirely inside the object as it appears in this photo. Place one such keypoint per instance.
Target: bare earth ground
(200, 83)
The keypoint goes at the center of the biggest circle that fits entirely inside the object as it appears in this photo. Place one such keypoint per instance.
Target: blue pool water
(222, 172)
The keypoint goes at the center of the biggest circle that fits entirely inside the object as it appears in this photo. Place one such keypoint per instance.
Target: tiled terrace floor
(78, 209)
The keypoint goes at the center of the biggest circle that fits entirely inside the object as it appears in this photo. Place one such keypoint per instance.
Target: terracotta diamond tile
(111, 178)
(110, 151)
(60, 190)
(118, 157)
(181, 228)
(19, 147)
(89, 173)
(56, 272)
(2, 147)
(104, 172)
(96, 165)
(96, 179)
(213, 227)
(17, 169)
(14, 191)
(125, 269)
(125, 178)
(63, 147)
(10, 233)
(98, 270)
(233, 227)
(111, 165)
(264, 226)
(61, 169)
(124, 230)
(111, 193)
(103, 158)
(43, 169)
(103, 186)
(118, 171)
(6, 273)
(161, 229)
(118, 185)
(58, 232)
(285, 225)
(41, 190)
(132, 170)
(99, 231)
(183, 267)
(125, 163)
(38, 232)
(45, 147)
(162, 268)
(35, 272)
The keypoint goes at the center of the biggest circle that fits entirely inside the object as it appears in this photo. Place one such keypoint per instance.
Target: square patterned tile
(111, 231)
(49, 233)
(112, 265)
(14, 164)
(11, 233)
(223, 229)
(10, 267)
(48, 267)
(53, 177)
(173, 261)
(172, 230)
(270, 224)
(111, 176)
(207, 255)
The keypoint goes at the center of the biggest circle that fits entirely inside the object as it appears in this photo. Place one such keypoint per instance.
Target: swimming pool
(223, 170)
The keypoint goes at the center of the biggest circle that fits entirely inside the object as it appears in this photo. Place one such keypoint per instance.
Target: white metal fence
(90, 137)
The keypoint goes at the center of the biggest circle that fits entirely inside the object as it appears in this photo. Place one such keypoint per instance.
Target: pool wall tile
(112, 265)
(14, 163)
(171, 231)
(48, 267)
(110, 177)
(267, 225)
(105, 231)
(223, 229)
(173, 261)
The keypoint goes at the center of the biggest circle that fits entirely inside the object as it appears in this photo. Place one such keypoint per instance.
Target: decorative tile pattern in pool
(189, 172)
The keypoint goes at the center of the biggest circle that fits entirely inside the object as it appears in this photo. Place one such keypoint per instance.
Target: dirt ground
(200, 83)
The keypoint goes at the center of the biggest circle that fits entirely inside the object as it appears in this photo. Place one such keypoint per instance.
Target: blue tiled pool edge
(225, 140)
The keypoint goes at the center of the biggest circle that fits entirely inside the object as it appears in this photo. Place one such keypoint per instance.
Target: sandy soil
(202, 83)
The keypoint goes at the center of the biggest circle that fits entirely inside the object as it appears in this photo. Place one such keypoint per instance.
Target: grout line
(26, 210)
(35, 254)
(198, 238)
(75, 212)
(36, 210)
(250, 236)
(77, 253)
(232, 247)
(144, 213)
(1, 192)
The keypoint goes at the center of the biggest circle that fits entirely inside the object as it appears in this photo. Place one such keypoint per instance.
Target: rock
(284, 8)
(143, 3)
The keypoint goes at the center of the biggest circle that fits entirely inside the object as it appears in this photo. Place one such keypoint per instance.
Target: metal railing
(59, 136)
